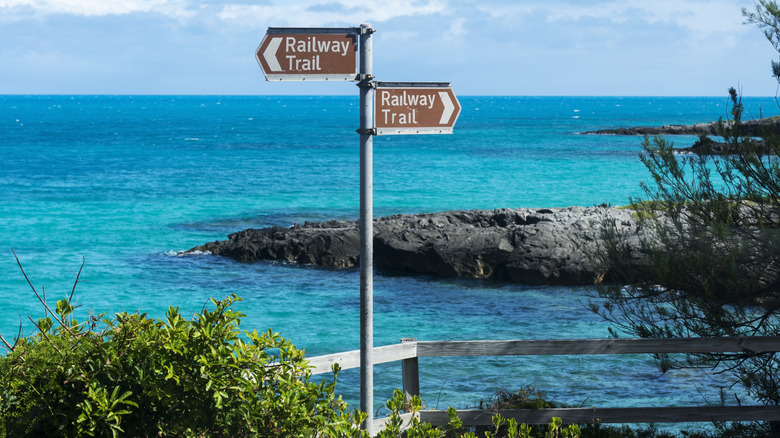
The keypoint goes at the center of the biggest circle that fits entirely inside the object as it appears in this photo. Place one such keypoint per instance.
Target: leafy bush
(527, 397)
(141, 377)
(501, 428)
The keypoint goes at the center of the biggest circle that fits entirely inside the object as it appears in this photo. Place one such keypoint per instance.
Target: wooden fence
(410, 349)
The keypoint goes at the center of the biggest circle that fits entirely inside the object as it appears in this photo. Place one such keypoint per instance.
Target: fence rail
(410, 349)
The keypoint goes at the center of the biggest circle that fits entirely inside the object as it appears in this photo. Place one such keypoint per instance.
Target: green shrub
(454, 429)
(527, 397)
(136, 376)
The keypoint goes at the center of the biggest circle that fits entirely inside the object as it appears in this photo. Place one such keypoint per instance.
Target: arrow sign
(415, 108)
(309, 54)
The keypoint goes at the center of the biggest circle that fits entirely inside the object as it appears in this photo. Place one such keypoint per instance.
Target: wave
(185, 253)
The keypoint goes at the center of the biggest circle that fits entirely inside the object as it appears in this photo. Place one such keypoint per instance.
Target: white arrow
(270, 54)
(448, 107)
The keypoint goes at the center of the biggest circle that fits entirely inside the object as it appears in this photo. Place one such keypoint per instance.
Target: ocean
(124, 183)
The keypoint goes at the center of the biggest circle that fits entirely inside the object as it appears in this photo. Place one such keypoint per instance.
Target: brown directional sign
(415, 108)
(309, 54)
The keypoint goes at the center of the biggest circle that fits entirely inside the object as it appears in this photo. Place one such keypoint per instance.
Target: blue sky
(486, 47)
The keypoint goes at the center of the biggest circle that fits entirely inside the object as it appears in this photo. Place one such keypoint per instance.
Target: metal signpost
(366, 228)
(331, 54)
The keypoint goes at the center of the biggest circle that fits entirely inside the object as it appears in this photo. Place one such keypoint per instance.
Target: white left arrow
(448, 107)
(270, 54)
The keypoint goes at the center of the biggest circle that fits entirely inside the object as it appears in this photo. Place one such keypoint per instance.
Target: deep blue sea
(126, 182)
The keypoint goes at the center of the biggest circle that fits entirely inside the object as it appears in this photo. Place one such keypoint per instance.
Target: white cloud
(323, 12)
(702, 19)
(710, 17)
(456, 29)
(238, 12)
(550, 46)
(88, 8)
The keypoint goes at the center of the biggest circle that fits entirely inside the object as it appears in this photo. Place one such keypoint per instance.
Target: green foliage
(527, 397)
(136, 376)
(766, 16)
(709, 263)
(501, 428)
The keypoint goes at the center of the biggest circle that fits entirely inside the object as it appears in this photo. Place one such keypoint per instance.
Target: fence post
(410, 375)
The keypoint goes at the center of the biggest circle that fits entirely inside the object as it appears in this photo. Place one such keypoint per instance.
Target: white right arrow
(448, 107)
(270, 54)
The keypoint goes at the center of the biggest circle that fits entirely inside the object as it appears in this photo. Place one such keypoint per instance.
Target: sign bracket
(385, 84)
(314, 30)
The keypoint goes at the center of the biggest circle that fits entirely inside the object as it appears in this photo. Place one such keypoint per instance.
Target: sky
(484, 47)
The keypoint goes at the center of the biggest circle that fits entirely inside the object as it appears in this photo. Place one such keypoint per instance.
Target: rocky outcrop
(696, 129)
(532, 246)
(752, 128)
(706, 146)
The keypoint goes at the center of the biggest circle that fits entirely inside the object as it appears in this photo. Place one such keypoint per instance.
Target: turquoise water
(125, 182)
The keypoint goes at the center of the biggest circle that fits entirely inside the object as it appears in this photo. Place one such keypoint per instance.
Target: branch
(25, 275)
(7, 345)
(40, 299)
(70, 298)
(45, 336)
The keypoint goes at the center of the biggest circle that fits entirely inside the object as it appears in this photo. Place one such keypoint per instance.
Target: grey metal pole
(366, 228)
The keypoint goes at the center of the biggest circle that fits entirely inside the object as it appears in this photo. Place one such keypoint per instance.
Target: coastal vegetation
(711, 264)
(708, 261)
(132, 375)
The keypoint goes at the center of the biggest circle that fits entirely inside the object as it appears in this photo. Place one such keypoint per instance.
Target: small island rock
(524, 245)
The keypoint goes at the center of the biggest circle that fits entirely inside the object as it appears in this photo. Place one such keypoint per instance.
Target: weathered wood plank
(611, 415)
(410, 374)
(596, 346)
(351, 359)
(379, 424)
(389, 353)
(322, 364)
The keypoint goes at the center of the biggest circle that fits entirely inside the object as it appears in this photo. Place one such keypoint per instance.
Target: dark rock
(752, 128)
(707, 146)
(336, 244)
(543, 246)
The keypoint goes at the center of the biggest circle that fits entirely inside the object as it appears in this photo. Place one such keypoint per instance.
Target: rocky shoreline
(751, 128)
(705, 145)
(524, 245)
